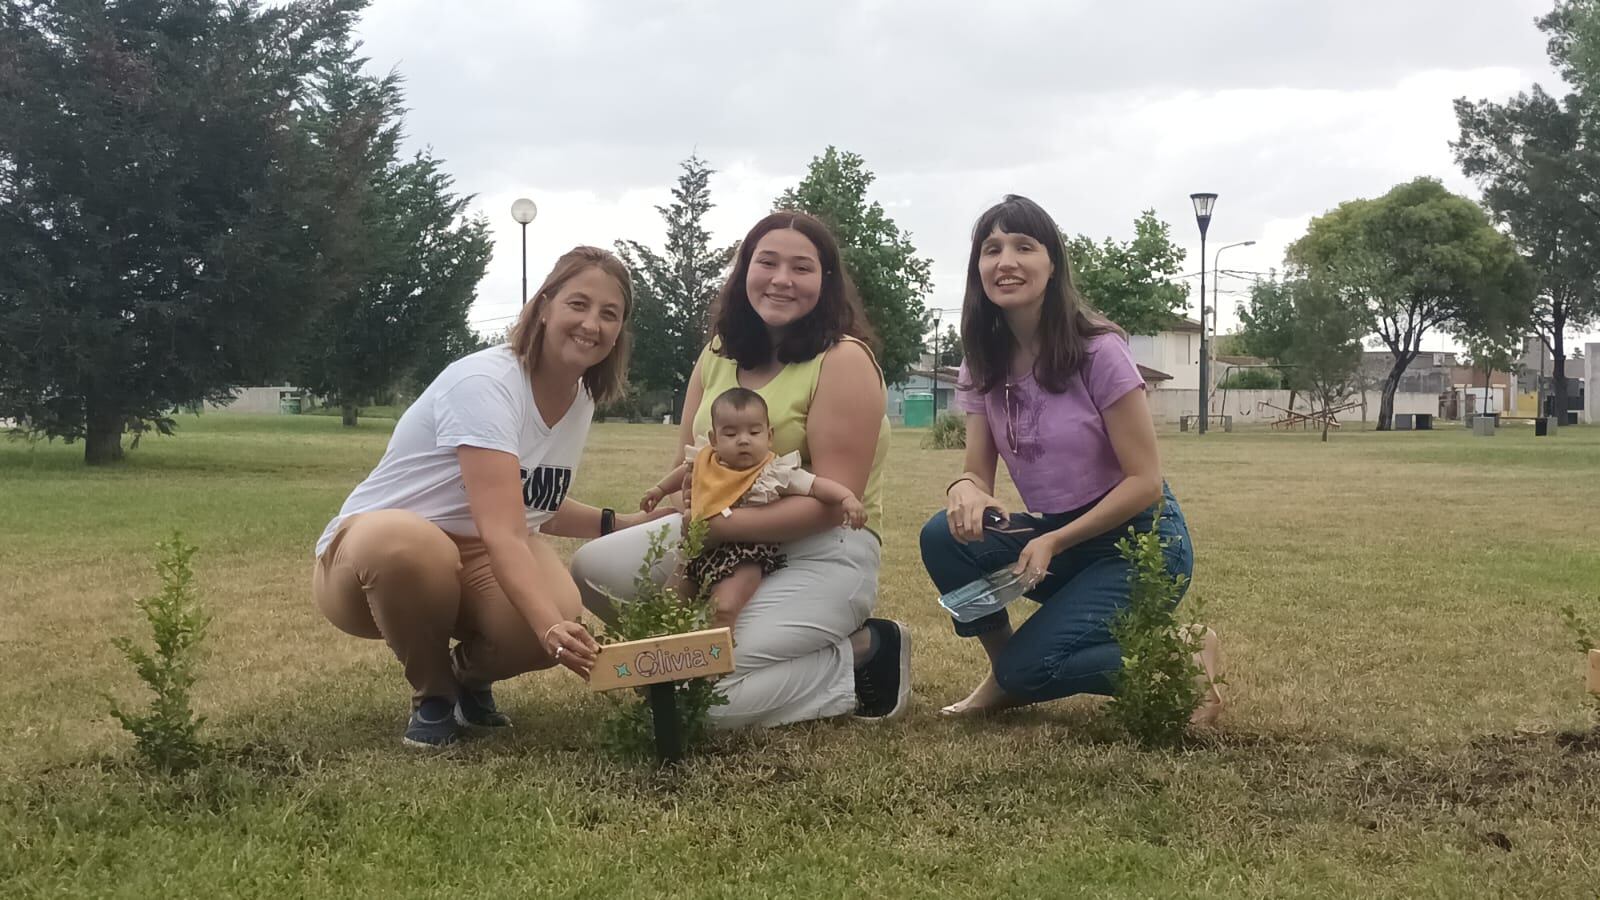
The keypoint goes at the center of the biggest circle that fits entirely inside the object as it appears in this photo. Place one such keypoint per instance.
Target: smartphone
(1017, 523)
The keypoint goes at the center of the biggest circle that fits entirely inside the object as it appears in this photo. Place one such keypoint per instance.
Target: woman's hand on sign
(572, 646)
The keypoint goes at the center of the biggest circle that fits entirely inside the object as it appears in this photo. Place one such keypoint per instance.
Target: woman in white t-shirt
(444, 540)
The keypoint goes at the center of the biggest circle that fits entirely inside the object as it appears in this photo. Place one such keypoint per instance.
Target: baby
(734, 466)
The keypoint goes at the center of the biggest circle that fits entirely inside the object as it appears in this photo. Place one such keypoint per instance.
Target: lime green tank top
(788, 397)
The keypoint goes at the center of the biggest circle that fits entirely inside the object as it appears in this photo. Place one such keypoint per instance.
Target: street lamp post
(1203, 204)
(523, 211)
(1216, 289)
(933, 370)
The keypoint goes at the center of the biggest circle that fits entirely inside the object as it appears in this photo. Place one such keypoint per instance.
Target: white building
(1174, 352)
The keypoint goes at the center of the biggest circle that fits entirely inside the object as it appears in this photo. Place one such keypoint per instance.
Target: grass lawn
(1405, 719)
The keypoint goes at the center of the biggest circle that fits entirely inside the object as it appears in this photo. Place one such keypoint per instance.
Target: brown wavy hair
(741, 335)
(1066, 323)
(606, 380)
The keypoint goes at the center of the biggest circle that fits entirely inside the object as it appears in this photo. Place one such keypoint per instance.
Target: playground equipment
(1311, 419)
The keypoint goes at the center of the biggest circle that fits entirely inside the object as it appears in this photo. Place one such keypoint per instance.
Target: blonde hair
(606, 380)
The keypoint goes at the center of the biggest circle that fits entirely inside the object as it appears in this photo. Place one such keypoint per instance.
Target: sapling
(167, 736)
(1157, 688)
(657, 610)
(1588, 641)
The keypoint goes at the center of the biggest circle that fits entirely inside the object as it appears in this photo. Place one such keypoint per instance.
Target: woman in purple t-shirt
(1049, 386)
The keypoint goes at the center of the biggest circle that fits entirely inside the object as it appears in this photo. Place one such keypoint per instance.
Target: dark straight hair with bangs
(838, 312)
(1066, 323)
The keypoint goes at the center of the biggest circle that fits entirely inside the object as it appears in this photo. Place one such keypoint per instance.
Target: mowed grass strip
(1405, 715)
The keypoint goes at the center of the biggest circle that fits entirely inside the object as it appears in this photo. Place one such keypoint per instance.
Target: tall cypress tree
(673, 289)
(400, 259)
(892, 279)
(154, 186)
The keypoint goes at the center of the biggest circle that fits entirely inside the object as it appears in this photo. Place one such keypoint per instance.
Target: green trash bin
(919, 409)
(289, 404)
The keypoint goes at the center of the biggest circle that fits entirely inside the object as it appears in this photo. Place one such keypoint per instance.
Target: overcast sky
(1097, 110)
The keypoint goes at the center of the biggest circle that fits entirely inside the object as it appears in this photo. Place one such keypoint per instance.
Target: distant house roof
(945, 375)
(1183, 325)
(1150, 375)
(1473, 376)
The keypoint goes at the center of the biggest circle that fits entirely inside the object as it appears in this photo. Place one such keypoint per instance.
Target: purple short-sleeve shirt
(1061, 457)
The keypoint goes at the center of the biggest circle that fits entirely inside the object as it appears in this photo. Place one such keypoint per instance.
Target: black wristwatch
(608, 521)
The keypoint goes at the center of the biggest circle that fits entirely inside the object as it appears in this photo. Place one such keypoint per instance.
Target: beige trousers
(393, 575)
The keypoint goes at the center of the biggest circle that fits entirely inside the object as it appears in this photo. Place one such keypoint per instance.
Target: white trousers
(792, 659)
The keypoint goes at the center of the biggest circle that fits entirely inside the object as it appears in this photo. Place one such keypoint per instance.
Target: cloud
(1097, 110)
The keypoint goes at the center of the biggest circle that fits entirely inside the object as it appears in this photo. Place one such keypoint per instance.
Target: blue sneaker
(433, 725)
(475, 707)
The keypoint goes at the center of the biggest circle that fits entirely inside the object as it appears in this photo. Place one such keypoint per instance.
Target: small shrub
(1156, 690)
(167, 736)
(657, 610)
(949, 432)
(1580, 628)
(1253, 380)
(1587, 639)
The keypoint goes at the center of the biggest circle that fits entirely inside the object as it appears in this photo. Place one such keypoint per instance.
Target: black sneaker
(433, 724)
(883, 686)
(475, 707)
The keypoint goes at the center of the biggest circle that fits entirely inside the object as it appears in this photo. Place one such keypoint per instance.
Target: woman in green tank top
(788, 325)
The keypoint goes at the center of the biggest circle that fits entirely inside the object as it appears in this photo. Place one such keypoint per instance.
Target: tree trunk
(1391, 383)
(349, 414)
(102, 444)
(1326, 416)
(1558, 351)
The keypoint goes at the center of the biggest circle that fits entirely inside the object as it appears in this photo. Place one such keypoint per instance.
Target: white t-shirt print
(481, 400)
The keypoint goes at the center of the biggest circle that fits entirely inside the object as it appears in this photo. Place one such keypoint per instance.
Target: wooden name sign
(673, 657)
(1594, 672)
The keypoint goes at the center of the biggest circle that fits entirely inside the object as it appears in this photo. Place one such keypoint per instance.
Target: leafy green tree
(1324, 347)
(1132, 282)
(1536, 159)
(1488, 354)
(1266, 327)
(1416, 260)
(155, 185)
(673, 290)
(946, 348)
(1573, 27)
(1266, 320)
(400, 257)
(892, 279)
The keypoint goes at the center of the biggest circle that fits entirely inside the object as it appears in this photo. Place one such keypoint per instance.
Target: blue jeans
(1065, 647)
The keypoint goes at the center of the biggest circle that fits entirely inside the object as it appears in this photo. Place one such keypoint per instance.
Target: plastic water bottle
(989, 594)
